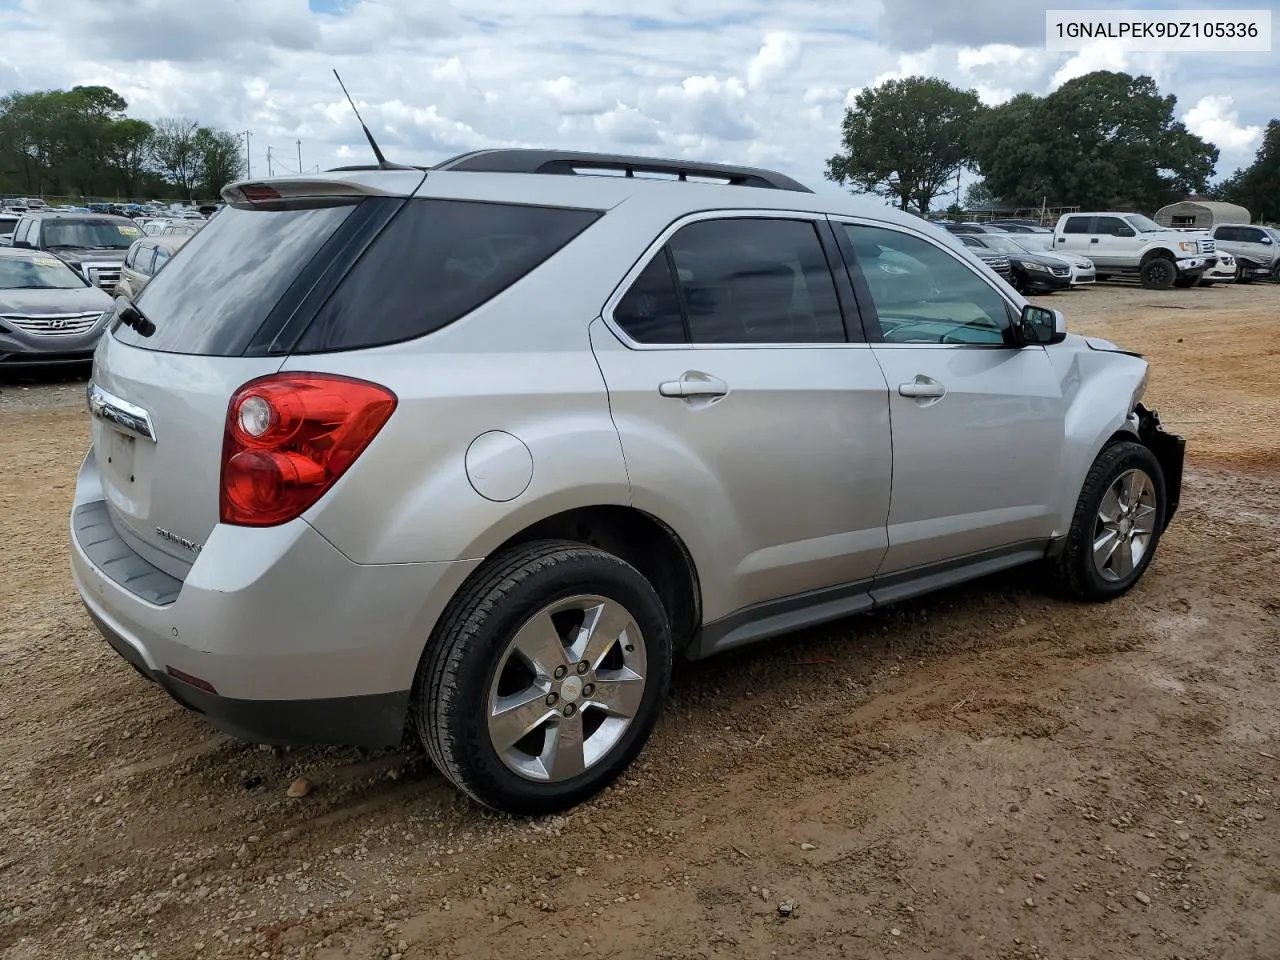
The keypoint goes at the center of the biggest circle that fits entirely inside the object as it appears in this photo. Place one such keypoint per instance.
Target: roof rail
(571, 162)
(374, 166)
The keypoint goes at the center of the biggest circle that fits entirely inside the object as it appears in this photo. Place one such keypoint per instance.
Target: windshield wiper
(130, 315)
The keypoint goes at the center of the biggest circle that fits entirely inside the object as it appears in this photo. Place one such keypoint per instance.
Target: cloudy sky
(762, 82)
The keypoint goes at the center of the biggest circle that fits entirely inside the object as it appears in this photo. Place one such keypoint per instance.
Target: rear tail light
(289, 437)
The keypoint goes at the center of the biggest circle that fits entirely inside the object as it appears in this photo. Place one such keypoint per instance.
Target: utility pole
(270, 173)
(248, 157)
(299, 156)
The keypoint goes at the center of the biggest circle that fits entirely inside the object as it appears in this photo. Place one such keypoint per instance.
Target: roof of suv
(553, 178)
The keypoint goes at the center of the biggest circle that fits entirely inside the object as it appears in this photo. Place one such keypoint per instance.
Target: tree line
(81, 143)
(1103, 141)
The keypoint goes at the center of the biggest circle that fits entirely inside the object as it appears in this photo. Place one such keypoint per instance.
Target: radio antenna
(382, 161)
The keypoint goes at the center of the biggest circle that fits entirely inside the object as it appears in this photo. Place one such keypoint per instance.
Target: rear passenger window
(1077, 225)
(747, 280)
(435, 262)
(650, 311)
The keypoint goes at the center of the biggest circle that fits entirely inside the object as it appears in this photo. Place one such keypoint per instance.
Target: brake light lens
(289, 437)
(258, 192)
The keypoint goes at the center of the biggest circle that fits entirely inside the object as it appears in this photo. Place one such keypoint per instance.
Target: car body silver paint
(341, 601)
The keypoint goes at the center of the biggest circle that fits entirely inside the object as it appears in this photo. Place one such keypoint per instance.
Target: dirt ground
(987, 774)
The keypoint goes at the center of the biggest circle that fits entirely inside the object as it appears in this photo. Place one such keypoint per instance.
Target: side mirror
(1126, 232)
(1041, 326)
(1265, 239)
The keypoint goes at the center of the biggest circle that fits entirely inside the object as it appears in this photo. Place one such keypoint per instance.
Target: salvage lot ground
(990, 773)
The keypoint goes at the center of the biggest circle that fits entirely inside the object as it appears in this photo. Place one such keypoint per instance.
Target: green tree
(221, 160)
(175, 150)
(1257, 186)
(906, 140)
(1101, 140)
(978, 195)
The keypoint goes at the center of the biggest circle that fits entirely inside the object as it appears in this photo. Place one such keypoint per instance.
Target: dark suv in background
(92, 244)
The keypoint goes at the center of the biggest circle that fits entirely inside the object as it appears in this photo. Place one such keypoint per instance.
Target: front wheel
(1158, 274)
(545, 677)
(1117, 523)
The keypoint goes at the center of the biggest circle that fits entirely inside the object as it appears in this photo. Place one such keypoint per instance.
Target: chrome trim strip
(126, 416)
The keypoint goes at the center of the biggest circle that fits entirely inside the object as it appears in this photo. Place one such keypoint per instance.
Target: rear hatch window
(227, 279)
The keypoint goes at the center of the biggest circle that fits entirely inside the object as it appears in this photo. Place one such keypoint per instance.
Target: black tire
(466, 650)
(1158, 273)
(1075, 569)
(1275, 272)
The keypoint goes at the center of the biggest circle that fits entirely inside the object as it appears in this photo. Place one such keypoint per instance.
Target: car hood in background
(78, 255)
(35, 303)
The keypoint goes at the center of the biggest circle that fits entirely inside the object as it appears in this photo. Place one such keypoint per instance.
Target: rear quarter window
(435, 262)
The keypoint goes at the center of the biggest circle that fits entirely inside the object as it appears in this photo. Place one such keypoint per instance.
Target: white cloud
(1214, 119)
(746, 81)
(779, 54)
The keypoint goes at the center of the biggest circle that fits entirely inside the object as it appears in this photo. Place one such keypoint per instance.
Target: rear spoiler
(260, 192)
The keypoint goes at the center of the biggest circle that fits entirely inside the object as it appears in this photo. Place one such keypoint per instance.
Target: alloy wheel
(567, 687)
(1124, 526)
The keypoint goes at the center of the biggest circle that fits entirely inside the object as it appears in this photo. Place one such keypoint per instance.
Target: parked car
(1029, 272)
(144, 260)
(1256, 250)
(95, 244)
(49, 314)
(1132, 245)
(1012, 227)
(481, 449)
(1225, 270)
(7, 222)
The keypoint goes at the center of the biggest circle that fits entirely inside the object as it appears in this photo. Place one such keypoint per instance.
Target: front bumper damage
(1170, 451)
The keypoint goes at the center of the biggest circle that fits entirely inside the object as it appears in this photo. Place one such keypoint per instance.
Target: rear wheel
(545, 678)
(1117, 523)
(1158, 274)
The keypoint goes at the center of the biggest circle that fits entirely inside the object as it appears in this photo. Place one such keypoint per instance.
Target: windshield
(1144, 224)
(98, 234)
(1004, 244)
(37, 273)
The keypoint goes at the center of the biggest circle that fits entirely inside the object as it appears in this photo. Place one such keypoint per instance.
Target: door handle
(922, 388)
(694, 384)
(1093, 239)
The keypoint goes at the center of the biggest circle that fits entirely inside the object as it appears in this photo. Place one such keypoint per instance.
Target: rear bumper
(273, 634)
(373, 720)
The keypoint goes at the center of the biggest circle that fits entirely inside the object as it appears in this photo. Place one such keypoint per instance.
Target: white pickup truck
(1129, 244)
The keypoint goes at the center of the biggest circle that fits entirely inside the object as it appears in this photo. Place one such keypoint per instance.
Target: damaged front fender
(1170, 452)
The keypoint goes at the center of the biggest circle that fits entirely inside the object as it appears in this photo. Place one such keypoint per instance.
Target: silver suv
(1256, 249)
(475, 452)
